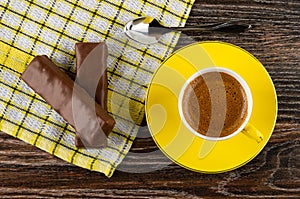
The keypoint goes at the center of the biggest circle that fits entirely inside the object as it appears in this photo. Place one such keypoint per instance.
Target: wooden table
(26, 171)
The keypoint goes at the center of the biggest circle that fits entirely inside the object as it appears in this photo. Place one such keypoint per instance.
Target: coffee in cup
(215, 103)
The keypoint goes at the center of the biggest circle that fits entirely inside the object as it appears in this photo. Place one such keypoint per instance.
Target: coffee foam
(228, 98)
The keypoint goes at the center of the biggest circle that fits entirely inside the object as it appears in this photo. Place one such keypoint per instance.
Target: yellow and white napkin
(52, 27)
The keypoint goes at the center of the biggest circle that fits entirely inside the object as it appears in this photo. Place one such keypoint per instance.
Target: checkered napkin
(52, 27)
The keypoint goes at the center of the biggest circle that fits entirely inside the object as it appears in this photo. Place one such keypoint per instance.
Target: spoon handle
(231, 26)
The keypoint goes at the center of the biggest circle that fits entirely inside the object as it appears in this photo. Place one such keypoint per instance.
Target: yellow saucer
(175, 140)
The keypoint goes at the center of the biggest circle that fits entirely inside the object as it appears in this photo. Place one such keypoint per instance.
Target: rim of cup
(239, 79)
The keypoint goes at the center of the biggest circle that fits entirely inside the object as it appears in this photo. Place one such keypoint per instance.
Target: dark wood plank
(26, 171)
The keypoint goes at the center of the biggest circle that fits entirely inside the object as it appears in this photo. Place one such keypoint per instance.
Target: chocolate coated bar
(91, 74)
(91, 62)
(74, 104)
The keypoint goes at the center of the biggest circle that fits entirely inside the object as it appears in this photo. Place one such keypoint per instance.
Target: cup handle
(253, 133)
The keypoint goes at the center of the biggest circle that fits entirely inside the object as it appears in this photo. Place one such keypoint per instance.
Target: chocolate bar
(91, 122)
(91, 73)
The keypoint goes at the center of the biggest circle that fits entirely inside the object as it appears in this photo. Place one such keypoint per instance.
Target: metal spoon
(148, 30)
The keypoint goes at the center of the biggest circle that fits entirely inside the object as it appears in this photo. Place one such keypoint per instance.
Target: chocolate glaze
(91, 122)
(91, 70)
(91, 62)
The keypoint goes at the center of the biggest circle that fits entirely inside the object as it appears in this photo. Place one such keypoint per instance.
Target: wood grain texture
(27, 172)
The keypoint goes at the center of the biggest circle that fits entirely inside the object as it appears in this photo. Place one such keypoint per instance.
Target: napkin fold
(52, 27)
